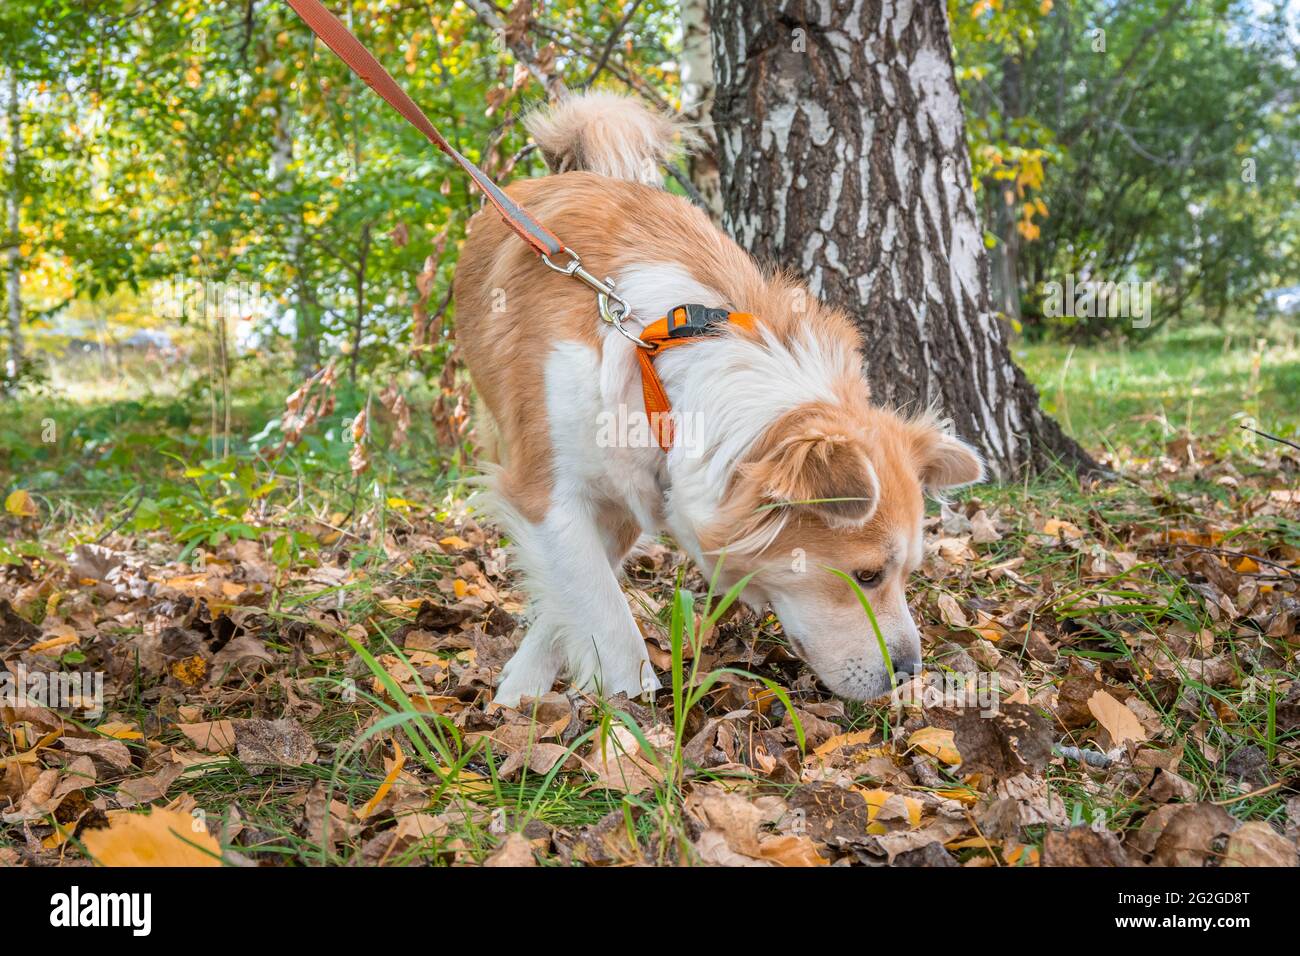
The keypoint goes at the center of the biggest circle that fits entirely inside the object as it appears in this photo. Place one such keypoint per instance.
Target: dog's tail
(606, 133)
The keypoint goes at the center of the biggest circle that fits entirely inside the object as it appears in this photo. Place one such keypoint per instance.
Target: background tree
(843, 157)
(1153, 141)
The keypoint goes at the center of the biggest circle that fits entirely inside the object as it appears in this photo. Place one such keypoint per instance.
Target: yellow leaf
(20, 503)
(160, 838)
(59, 836)
(63, 635)
(1057, 528)
(975, 842)
(190, 671)
(845, 740)
(1019, 855)
(400, 608)
(936, 742)
(791, 851)
(455, 542)
(875, 800)
(30, 756)
(395, 768)
(460, 588)
(119, 730)
(1247, 565)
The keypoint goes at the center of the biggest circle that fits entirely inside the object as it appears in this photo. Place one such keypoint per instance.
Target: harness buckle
(685, 321)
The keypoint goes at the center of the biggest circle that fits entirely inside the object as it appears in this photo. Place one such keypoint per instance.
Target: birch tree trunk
(843, 158)
(14, 360)
(697, 102)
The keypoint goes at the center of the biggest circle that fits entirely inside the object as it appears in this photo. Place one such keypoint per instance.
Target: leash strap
(678, 327)
(350, 50)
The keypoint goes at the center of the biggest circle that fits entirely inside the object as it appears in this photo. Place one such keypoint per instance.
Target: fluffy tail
(605, 133)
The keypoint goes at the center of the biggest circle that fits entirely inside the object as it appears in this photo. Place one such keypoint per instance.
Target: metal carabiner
(605, 295)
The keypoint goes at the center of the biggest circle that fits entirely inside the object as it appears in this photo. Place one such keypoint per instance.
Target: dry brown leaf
(515, 850)
(1120, 723)
(213, 736)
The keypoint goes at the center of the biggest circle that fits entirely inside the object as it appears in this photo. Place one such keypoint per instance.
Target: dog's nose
(907, 664)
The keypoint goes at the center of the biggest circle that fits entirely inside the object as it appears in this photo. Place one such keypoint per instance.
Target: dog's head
(830, 486)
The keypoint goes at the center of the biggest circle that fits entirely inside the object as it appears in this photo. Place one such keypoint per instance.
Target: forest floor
(297, 664)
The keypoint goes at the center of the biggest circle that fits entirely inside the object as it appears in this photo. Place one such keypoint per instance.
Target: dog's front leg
(581, 614)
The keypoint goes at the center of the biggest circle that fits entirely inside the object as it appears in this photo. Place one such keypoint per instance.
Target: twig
(1246, 796)
(609, 44)
(1284, 441)
(684, 181)
(125, 518)
(521, 48)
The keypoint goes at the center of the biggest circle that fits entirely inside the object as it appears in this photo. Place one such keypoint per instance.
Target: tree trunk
(306, 320)
(697, 102)
(843, 157)
(1004, 271)
(14, 361)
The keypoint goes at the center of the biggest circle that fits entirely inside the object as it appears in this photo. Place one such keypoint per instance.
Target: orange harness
(678, 327)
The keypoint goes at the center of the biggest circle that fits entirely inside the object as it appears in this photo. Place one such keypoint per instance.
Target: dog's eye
(869, 579)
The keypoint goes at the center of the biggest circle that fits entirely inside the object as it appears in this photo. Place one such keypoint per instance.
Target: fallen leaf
(273, 743)
(936, 742)
(1257, 844)
(20, 503)
(395, 766)
(213, 736)
(158, 838)
(1120, 723)
(515, 850)
(839, 741)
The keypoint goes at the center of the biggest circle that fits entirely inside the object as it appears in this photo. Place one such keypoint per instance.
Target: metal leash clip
(613, 307)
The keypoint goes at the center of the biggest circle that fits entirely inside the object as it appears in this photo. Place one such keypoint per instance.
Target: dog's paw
(634, 682)
(525, 681)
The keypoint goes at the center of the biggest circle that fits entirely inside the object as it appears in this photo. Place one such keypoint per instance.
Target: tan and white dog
(780, 465)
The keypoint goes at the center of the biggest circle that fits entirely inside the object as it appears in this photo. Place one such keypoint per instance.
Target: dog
(780, 465)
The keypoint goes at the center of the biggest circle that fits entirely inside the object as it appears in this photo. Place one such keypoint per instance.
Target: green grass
(1141, 395)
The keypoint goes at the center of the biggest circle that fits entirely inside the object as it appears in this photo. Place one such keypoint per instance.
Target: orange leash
(612, 307)
(351, 51)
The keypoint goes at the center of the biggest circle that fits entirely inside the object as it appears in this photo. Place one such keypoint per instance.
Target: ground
(297, 661)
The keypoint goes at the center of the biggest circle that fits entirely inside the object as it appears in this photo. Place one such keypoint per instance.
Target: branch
(609, 43)
(521, 48)
(1283, 441)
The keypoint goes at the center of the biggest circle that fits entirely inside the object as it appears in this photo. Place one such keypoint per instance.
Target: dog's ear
(945, 461)
(813, 462)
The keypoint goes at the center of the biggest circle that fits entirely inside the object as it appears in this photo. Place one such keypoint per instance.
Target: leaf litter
(1110, 680)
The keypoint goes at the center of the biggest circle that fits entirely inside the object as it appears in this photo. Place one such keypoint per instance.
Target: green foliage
(1168, 138)
(220, 143)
